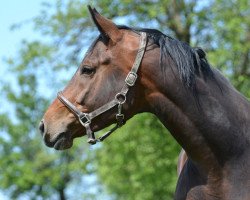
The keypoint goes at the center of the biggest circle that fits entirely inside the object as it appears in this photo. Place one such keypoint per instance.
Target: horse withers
(128, 71)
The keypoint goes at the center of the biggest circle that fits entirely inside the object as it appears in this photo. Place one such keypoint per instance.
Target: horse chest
(229, 183)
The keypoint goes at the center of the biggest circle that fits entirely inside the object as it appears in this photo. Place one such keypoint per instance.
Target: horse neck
(197, 130)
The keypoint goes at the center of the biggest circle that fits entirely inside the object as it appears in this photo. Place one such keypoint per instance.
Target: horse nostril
(41, 127)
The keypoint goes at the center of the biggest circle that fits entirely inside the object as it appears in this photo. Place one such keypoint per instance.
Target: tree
(28, 168)
(231, 48)
(139, 161)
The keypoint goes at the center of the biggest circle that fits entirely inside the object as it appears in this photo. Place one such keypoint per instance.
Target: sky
(15, 12)
(11, 12)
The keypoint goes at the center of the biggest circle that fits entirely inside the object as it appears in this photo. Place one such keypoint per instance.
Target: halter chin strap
(120, 98)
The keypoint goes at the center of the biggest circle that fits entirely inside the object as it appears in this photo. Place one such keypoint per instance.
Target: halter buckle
(84, 119)
(131, 78)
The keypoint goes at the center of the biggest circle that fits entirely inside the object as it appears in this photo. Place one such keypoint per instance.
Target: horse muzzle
(60, 141)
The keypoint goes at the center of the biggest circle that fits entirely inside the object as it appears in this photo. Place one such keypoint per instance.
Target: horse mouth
(61, 142)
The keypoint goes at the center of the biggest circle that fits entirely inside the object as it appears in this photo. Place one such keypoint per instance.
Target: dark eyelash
(87, 70)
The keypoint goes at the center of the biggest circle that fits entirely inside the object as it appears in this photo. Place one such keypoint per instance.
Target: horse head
(103, 89)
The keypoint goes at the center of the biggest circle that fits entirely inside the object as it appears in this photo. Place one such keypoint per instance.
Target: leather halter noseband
(120, 98)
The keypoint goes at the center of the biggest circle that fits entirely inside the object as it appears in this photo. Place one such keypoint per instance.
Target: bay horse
(127, 71)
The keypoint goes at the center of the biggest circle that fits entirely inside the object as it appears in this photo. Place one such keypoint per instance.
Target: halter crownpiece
(120, 98)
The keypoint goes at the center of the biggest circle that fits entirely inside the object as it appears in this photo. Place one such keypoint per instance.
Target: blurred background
(42, 43)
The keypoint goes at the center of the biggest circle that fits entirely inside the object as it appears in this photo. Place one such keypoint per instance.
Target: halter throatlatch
(120, 98)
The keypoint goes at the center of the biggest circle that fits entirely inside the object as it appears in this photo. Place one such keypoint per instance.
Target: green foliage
(139, 161)
(27, 167)
(231, 51)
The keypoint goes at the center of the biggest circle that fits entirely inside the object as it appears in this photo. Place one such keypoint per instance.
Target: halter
(120, 98)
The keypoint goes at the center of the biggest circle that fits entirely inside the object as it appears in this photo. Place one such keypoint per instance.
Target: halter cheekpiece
(120, 98)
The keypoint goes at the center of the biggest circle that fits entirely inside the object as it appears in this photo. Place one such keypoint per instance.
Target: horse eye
(87, 70)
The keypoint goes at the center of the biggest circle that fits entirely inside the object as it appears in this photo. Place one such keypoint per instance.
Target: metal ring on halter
(121, 98)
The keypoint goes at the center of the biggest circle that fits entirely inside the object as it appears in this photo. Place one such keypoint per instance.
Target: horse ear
(105, 26)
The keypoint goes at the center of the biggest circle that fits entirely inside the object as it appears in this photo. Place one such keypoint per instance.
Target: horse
(127, 71)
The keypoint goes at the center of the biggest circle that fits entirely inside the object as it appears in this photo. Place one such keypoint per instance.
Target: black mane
(189, 61)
